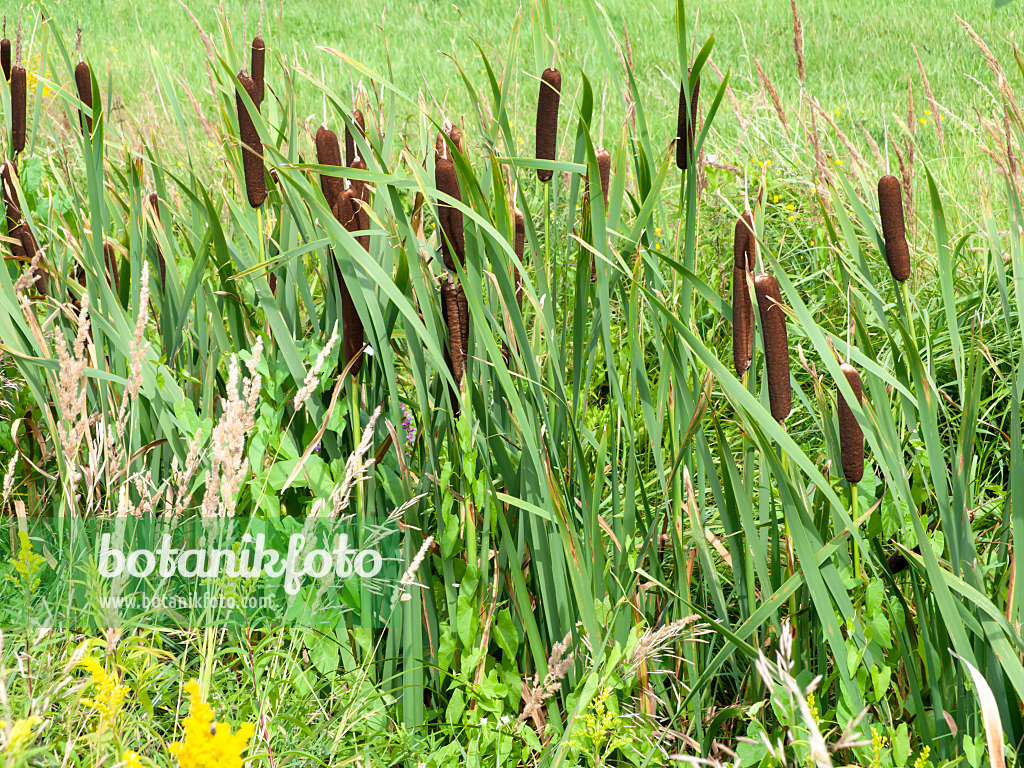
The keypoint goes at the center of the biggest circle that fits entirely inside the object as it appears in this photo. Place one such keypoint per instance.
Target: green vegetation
(613, 553)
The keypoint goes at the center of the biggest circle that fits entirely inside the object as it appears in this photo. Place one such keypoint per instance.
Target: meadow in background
(627, 524)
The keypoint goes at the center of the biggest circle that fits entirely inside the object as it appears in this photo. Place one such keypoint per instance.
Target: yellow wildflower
(109, 694)
(20, 734)
(28, 564)
(208, 744)
(131, 759)
(790, 207)
(792, 218)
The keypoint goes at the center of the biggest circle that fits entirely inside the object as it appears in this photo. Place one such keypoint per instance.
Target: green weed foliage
(613, 553)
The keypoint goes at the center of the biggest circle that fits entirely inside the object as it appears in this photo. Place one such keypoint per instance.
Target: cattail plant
(547, 119)
(252, 147)
(328, 152)
(890, 207)
(113, 274)
(83, 82)
(5, 53)
(453, 239)
(851, 436)
(257, 64)
(452, 297)
(361, 201)
(604, 172)
(351, 153)
(776, 344)
(687, 124)
(19, 101)
(12, 208)
(346, 212)
(742, 307)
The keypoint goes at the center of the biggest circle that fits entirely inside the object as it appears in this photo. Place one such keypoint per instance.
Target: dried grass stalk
(328, 152)
(798, 42)
(740, 118)
(932, 105)
(875, 150)
(257, 65)
(1003, 82)
(351, 152)
(851, 436)
(890, 207)
(83, 82)
(776, 344)
(252, 146)
(767, 84)
(547, 119)
(686, 125)
(855, 154)
(742, 306)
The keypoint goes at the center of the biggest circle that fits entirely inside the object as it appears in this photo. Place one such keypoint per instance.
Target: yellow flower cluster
(131, 759)
(208, 744)
(20, 734)
(28, 564)
(109, 694)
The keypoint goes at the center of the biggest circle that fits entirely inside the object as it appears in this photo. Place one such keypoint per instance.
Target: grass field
(609, 541)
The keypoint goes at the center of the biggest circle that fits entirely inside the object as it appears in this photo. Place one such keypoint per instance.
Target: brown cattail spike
(361, 201)
(851, 436)
(890, 206)
(742, 306)
(776, 344)
(257, 65)
(547, 119)
(113, 275)
(687, 125)
(519, 245)
(19, 102)
(5, 57)
(328, 152)
(346, 212)
(351, 151)
(453, 240)
(604, 170)
(452, 297)
(252, 147)
(83, 81)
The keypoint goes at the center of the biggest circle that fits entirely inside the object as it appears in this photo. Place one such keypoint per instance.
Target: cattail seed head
(83, 81)
(257, 64)
(743, 243)
(252, 147)
(890, 206)
(687, 125)
(328, 152)
(351, 152)
(742, 322)
(346, 212)
(604, 169)
(776, 344)
(5, 57)
(113, 275)
(19, 104)
(455, 134)
(851, 436)
(547, 119)
(452, 296)
(453, 239)
(519, 245)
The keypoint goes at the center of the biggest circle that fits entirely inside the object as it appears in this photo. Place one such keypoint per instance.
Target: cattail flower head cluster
(83, 82)
(346, 211)
(351, 151)
(547, 119)
(252, 146)
(5, 53)
(776, 344)
(851, 436)
(455, 311)
(890, 207)
(744, 245)
(328, 152)
(19, 104)
(257, 65)
(453, 238)
(687, 124)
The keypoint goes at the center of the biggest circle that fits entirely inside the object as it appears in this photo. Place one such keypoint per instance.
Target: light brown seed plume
(769, 86)
(851, 436)
(328, 152)
(776, 344)
(257, 64)
(890, 206)
(742, 306)
(345, 211)
(687, 125)
(351, 151)
(19, 102)
(83, 81)
(798, 42)
(252, 147)
(547, 119)
(453, 240)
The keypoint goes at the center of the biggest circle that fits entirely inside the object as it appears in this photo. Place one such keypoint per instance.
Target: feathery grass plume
(798, 42)
(769, 86)
(453, 238)
(113, 275)
(742, 306)
(687, 124)
(154, 204)
(890, 207)
(5, 53)
(932, 104)
(346, 212)
(851, 436)
(19, 102)
(328, 152)
(547, 119)
(875, 150)
(776, 344)
(257, 64)
(351, 152)
(252, 147)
